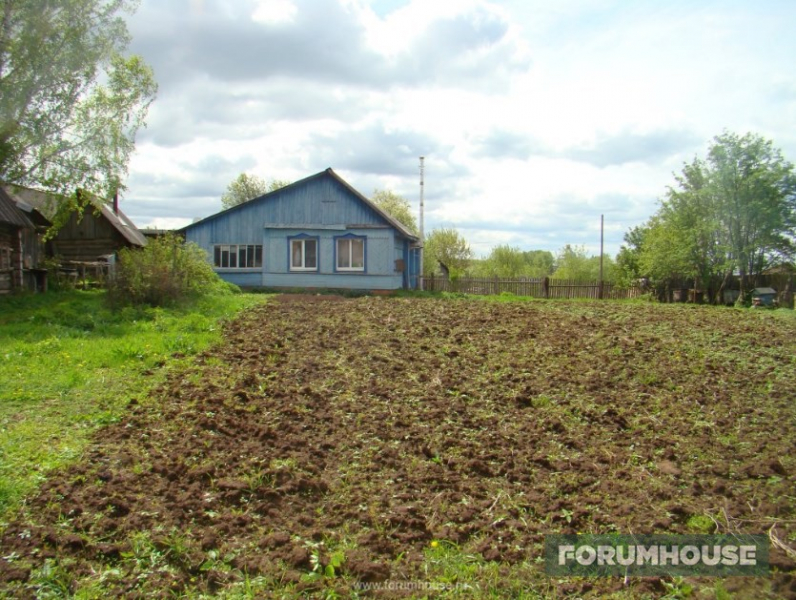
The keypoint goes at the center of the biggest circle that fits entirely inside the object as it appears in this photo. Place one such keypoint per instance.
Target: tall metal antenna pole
(602, 225)
(422, 230)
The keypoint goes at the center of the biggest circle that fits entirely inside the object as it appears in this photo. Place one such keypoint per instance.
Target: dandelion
(434, 543)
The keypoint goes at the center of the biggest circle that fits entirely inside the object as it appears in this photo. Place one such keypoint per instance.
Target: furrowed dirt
(380, 425)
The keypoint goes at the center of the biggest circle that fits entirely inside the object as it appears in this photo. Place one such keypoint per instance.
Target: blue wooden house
(318, 232)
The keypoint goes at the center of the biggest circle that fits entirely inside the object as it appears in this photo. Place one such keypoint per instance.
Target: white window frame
(348, 252)
(303, 241)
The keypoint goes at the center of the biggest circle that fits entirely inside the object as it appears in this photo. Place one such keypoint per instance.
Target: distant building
(151, 233)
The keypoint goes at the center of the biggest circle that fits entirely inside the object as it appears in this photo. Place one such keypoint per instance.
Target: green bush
(164, 272)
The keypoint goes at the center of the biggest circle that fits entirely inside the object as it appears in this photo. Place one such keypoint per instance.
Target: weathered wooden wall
(10, 272)
(86, 239)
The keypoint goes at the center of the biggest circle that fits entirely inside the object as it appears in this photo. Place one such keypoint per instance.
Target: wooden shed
(14, 226)
(764, 296)
(99, 232)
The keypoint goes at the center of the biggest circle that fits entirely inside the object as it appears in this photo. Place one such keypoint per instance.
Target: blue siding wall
(379, 263)
(338, 281)
(319, 207)
(242, 277)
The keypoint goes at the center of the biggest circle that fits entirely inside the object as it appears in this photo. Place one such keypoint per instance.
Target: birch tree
(71, 101)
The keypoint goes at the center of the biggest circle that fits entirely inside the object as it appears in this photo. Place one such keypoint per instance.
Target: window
(238, 256)
(350, 253)
(304, 254)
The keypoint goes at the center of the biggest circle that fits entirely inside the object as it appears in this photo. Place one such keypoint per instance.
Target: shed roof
(781, 268)
(329, 172)
(763, 291)
(124, 225)
(34, 214)
(43, 202)
(10, 213)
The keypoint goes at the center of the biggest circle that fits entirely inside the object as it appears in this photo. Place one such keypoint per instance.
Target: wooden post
(546, 287)
(17, 275)
(422, 229)
(600, 289)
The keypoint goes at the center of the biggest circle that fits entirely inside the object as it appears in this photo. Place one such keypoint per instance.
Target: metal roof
(10, 213)
(33, 213)
(123, 225)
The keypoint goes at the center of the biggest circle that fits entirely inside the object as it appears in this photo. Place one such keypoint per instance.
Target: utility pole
(602, 224)
(422, 233)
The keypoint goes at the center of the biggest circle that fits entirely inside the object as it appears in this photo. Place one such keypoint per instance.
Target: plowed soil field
(332, 442)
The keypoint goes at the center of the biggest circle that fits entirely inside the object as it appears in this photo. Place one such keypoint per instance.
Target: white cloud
(399, 31)
(274, 11)
(165, 224)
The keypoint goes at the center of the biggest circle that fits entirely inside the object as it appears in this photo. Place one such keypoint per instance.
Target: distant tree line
(571, 262)
(447, 253)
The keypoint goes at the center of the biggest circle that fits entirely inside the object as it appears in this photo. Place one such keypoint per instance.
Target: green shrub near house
(164, 272)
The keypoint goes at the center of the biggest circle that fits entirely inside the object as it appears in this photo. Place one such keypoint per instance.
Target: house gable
(321, 201)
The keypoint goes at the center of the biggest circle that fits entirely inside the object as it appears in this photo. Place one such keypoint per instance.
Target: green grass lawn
(70, 364)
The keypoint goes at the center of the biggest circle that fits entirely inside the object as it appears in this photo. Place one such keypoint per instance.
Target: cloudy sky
(535, 116)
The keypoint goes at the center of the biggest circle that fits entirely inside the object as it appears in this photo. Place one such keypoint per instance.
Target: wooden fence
(537, 288)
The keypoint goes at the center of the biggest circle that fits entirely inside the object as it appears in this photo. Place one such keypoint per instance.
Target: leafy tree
(71, 102)
(573, 262)
(690, 218)
(628, 267)
(397, 207)
(736, 210)
(753, 189)
(663, 256)
(247, 187)
(446, 247)
(509, 262)
(683, 239)
(505, 262)
(538, 263)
